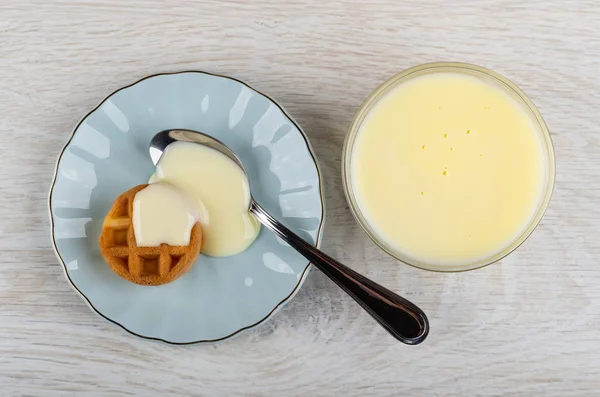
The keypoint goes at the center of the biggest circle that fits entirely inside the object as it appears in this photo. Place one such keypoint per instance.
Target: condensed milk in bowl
(448, 166)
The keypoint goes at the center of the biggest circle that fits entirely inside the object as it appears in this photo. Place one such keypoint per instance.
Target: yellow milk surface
(448, 168)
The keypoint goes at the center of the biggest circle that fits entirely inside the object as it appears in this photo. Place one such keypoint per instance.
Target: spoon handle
(401, 318)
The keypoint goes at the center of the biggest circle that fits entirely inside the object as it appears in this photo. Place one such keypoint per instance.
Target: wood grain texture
(529, 325)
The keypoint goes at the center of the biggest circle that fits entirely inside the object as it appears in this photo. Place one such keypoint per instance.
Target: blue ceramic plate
(108, 154)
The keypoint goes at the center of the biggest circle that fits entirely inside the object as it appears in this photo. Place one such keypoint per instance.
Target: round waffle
(143, 265)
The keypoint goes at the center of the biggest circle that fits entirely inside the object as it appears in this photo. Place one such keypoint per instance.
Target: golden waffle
(143, 265)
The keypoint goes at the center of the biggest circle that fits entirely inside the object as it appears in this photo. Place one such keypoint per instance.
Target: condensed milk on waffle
(197, 201)
(163, 215)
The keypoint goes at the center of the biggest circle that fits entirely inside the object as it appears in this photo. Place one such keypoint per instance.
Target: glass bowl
(472, 70)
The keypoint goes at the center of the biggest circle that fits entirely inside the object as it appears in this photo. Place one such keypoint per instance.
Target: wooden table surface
(529, 325)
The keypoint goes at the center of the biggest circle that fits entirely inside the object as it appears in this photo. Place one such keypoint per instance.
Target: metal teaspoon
(401, 318)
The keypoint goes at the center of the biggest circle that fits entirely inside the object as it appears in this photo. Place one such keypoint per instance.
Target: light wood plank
(527, 326)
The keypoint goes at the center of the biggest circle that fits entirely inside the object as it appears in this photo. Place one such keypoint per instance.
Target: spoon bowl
(401, 318)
